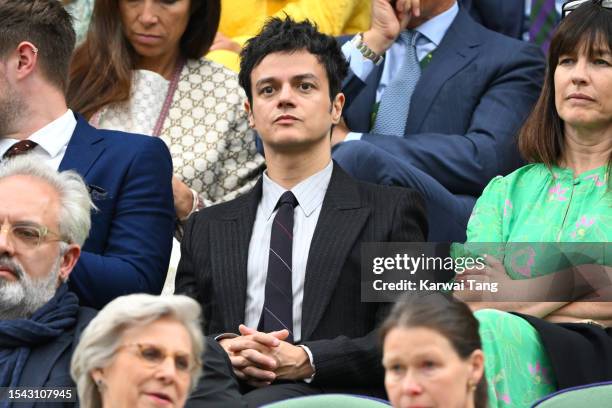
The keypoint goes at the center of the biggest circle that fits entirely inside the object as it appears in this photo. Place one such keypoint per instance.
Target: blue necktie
(395, 101)
(277, 313)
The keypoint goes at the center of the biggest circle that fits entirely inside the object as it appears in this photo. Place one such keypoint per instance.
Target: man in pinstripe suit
(280, 286)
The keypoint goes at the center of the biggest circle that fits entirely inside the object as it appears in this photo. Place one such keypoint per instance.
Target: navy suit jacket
(466, 108)
(130, 181)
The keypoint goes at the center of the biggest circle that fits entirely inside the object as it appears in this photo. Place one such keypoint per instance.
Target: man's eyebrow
(305, 76)
(296, 77)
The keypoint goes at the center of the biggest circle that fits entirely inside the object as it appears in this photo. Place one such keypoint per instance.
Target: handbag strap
(169, 96)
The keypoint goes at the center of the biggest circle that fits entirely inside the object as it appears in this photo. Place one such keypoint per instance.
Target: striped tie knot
(287, 198)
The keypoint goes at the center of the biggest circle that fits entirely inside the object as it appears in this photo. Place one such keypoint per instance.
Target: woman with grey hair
(140, 351)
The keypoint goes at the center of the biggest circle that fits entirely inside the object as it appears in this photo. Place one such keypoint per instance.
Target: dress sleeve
(486, 221)
(485, 230)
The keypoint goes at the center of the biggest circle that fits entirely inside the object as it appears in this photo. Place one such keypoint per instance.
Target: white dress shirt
(52, 140)
(432, 32)
(309, 194)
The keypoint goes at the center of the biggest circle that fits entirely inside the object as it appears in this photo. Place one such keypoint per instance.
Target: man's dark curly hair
(288, 36)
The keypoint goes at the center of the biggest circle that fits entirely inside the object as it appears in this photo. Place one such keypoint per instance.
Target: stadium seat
(597, 395)
(331, 400)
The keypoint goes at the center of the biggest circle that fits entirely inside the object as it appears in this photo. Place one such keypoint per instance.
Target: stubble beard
(12, 108)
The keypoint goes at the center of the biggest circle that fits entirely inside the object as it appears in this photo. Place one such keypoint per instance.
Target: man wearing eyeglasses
(42, 228)
(44, 221)
(129, 176)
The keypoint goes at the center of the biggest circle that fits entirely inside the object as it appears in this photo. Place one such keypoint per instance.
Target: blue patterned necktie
(395, 101)
(277, 313)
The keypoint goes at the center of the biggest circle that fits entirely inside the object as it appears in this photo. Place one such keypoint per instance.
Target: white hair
(75, 203)
(102, 337)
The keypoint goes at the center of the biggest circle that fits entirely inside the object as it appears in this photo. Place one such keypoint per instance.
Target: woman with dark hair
(432, 354)
(563, 196)
(140, 70)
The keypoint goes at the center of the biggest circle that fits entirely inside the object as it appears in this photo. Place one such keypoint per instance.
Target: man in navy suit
(474, 88)
(129, 176)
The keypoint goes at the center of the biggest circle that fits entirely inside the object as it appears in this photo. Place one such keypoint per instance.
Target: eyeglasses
(29, 236)
(154, 355)
(572, 5)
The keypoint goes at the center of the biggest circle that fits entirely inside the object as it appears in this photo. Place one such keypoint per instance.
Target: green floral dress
(537, 205)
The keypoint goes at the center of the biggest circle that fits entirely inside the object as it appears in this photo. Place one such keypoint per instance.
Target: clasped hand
(261, 358)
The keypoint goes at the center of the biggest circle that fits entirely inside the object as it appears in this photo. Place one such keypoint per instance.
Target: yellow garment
(242, 19)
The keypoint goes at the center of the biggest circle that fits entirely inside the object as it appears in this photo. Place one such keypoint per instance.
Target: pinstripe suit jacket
(337, 327)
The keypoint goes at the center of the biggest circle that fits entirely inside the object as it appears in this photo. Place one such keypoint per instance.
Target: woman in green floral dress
(564, 196)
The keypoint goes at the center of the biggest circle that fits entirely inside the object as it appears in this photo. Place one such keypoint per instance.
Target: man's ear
(249, 111)
(68, 261)
(27, 59)
(336, 108)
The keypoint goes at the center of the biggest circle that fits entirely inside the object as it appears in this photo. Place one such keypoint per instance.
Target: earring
(471, 386)
(99, 384)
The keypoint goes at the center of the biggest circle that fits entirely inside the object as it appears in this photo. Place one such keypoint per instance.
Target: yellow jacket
(242, 19)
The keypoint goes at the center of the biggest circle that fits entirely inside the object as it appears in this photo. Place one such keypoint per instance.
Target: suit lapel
(457, 49)
(85, 146)
(229, 248)
(341, 220)
(361, 102)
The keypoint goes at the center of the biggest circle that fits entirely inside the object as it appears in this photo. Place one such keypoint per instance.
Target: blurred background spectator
(150, 79)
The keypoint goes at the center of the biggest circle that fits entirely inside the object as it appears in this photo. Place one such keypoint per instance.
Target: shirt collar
(52, 138)
(309, 193)
(435, 28)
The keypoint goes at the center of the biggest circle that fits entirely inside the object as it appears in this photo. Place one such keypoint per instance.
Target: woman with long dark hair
(140, 70)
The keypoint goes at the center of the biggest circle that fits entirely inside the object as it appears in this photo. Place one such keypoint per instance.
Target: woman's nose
(411, 385)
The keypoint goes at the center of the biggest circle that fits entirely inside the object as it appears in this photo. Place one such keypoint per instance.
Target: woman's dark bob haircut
(588, 30)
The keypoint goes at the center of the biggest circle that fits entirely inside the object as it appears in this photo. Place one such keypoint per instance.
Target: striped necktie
(19, 148)
(543, 18)
(277, 313)
(395, 101)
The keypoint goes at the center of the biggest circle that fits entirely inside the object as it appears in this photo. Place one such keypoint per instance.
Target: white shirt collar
(435, 28)
(52, 138)
(309, 193)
